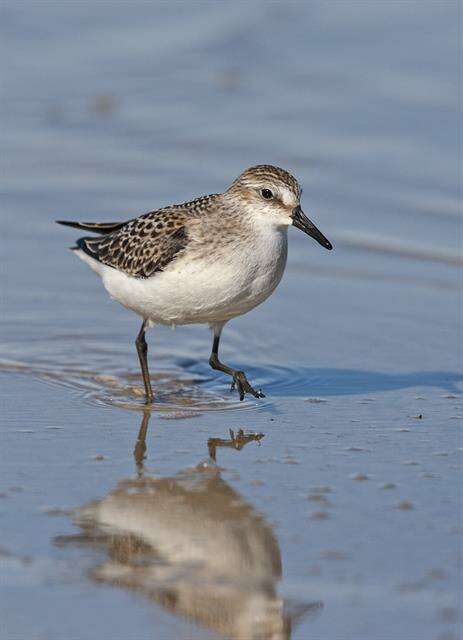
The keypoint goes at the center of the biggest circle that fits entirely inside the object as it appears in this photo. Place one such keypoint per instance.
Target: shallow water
(342, 518)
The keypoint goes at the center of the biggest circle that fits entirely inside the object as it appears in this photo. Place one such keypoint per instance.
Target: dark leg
(140, 446)
(142, 349)
(239, 377)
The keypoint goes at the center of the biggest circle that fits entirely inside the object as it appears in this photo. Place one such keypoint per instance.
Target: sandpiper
(201, 262)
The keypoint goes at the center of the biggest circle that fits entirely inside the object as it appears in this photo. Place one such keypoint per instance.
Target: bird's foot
(241, 383)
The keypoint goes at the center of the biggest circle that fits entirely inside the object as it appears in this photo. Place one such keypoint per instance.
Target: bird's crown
(265, 176)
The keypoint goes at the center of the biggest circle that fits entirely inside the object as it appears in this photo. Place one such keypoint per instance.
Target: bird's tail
(96, 227)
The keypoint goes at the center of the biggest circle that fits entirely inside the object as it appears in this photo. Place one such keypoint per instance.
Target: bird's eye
(267, 194)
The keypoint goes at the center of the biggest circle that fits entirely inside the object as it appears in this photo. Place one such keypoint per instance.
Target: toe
(241, 383)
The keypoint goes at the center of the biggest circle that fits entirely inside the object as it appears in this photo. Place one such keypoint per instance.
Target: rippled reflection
(192, 544)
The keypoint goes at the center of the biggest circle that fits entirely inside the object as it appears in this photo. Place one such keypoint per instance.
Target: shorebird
(201, 262)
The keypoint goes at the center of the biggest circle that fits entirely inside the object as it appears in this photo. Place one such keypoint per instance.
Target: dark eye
(267, 194)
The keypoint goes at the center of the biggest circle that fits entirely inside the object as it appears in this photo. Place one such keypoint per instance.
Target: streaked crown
(267, 176)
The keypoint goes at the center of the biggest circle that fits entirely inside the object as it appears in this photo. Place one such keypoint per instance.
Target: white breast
(196, 290)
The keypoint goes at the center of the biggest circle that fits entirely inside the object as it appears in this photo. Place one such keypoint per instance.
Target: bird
(205, 261)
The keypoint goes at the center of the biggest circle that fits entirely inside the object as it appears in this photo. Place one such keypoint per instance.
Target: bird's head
(272, 196)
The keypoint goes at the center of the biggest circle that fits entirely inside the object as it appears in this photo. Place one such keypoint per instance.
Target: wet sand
(336, 512)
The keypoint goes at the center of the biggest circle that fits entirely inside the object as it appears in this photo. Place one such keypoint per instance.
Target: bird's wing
(144, 245)
(96, 227)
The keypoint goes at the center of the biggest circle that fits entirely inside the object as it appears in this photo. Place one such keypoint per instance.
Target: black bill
(301, 221)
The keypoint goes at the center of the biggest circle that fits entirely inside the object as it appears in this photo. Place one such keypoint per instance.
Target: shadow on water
(193, 545)
(305, 381)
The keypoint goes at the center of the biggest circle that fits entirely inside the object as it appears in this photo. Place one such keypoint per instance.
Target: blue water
(110, 109)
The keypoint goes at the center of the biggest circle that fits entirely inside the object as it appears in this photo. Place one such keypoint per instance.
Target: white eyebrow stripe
(287, 196)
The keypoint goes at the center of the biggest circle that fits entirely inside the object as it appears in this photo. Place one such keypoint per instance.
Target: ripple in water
(179, 393)
(190, 387)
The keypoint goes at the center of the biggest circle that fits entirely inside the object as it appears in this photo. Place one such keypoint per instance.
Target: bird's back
(142, 246)
(202, 261)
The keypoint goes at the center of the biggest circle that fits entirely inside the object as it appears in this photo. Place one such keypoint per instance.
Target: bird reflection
(192, 544)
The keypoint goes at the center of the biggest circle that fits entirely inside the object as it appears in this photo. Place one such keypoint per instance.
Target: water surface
(341, 518)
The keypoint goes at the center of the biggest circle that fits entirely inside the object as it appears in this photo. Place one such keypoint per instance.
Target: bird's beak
(301, 221)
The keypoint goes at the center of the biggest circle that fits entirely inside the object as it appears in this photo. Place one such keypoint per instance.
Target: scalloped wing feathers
(147, 244)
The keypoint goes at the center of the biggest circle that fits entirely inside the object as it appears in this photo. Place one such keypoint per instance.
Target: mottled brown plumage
(147, 244)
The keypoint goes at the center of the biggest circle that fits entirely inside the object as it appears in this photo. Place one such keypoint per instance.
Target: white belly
(204, 290)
